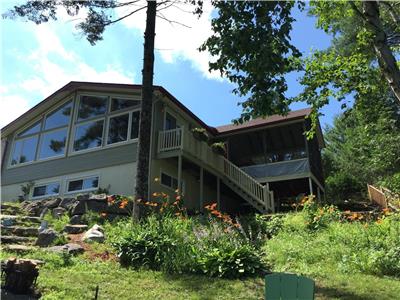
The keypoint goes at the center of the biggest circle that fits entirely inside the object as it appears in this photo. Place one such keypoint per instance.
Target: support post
(218, 194)
(179, 174)
(201, 189)
(310, 185)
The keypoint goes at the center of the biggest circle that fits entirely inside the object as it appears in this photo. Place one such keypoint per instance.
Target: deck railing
(179, 138)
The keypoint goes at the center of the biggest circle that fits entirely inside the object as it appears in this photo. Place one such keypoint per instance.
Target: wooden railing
(179, 138)
(378, 196)
(170, 139)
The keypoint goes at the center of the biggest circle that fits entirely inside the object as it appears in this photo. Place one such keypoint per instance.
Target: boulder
(67, 203)
(34, 208)
(98, 197)
(82, 197)
(8, 221)
(76, 219)
(95, 205)
(52, 203)
(58, 212)
(94, 234)
(46, 238)
(70, 248)
(19, 248)
(74, 229)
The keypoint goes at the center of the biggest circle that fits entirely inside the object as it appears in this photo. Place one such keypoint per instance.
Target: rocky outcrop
(94, 234)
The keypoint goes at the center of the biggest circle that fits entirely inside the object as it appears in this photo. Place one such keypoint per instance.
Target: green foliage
(363, 147)
(252, 48)
(219, 148)
(392, 183)
(177, 245)
(200, 134)
(58, 224)
(345, 247)
(319, 217)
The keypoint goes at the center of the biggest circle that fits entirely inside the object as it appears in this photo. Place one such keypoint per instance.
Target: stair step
(13, 239)
(18, 248)
(18, 218)
(19, 231)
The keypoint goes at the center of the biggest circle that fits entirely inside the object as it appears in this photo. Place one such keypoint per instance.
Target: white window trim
(72, 151)
(47, 195)
(40, 142)
(128, 140)
(68, 180)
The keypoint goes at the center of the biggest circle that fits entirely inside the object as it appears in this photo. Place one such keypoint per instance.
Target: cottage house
(85, 136)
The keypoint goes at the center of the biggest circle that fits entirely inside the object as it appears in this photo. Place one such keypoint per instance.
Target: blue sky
(37, 60)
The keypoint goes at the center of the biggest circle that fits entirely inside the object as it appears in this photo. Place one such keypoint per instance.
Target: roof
(259, 122)
(75, 85)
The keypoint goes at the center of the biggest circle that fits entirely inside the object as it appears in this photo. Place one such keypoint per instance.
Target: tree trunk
(386, 59)
(142, 174)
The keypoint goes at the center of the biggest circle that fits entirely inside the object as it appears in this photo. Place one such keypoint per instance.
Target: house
(85, 136)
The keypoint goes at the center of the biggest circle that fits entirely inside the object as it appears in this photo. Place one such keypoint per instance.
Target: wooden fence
(377, 195)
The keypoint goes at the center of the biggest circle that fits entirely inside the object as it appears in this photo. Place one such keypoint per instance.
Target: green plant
(26, 189)
(105, 190)
(218, 148)
(58, 224)
(200, 134)
(318, 217)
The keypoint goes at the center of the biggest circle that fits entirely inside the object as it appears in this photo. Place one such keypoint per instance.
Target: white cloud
(51, 74)
(175, 41)
(11, 106)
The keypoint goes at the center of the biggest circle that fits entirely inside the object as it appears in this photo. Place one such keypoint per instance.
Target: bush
(342, 186)
(318, 217)
(392, 183)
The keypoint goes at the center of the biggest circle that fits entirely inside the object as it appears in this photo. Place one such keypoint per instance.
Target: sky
(37, 60)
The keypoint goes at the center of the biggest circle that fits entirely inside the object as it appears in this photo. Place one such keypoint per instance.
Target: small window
(135, 124)
(120, 103)
(53, 143)
(35, 128)
(89, 183)
(46, 190)
(92, 106)
(118, 129)
(88, 135)
(24, 150)
(60, 117)
(170, 122)
(171, 182)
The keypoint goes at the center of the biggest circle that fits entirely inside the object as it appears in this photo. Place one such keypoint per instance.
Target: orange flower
(110, 199)
(386, 211)
(178, 198)
(103, 214)
(155, 194)
(213, 206)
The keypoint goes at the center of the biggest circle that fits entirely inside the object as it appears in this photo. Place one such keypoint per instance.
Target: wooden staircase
(256, 194)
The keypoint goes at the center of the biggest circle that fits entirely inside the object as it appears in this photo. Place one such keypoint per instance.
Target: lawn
(347, 260)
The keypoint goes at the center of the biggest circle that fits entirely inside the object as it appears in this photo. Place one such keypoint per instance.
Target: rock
(70, 248)
(76, 219)
(67, 203)
(46, 238)
(13, 239)
(74, 229)
(83, 197)
(98, 197)
(7, 221)
(18, 248)
(19, 230)
(95, 205)
(43, 225)
(52, 203)
(34, 208)
(43, 213)
(94, 234)
(58, 212)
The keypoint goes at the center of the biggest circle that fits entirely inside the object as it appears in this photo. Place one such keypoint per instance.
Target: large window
(43, 139)
(96, 126)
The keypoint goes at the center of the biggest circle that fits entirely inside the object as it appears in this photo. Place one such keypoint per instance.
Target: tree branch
(172, 22)
(131, 13)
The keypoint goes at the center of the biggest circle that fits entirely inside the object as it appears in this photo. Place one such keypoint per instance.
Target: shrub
(342, 186)
(200, 134)
(318, 217)
(231, 262)
(219, 148)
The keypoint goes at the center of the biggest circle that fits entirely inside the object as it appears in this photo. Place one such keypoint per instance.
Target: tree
(93, 27)
(363, 146)
(252, 47)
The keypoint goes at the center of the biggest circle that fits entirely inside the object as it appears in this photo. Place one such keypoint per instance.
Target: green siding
(77, 163)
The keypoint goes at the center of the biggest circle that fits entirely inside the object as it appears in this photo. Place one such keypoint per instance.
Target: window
(41, 142)
(60, 117)
(120, 103)
(135, 124)
(88, 135)
(53, 143)
(92, 106)
(85, 184)
(24, 150)
(46, 190)
(171, 182)
(118, 129)
(170, 122)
